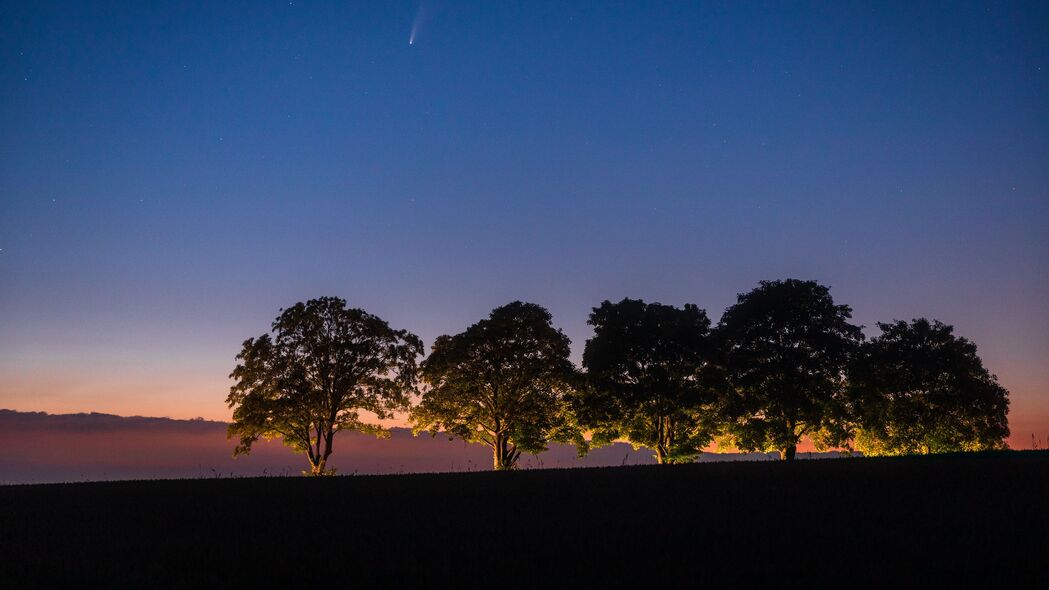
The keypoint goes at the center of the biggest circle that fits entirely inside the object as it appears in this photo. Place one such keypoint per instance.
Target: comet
(417, 22)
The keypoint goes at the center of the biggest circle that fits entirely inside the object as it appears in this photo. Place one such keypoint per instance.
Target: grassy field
(979, 519)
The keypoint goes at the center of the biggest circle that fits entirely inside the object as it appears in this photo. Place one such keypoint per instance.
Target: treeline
(783, 363)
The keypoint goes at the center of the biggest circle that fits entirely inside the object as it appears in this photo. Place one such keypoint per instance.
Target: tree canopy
(784, 363)
(322, 365)
(502, 382)
(786, 346)
(646, 381)
(919, 388)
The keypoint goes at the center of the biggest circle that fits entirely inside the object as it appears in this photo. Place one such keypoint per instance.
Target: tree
(786, 347)
(322, 366)
(647, 382)
(919, 388)
(502, 383)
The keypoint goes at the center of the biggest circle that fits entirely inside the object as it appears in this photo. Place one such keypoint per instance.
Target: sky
(172, 174)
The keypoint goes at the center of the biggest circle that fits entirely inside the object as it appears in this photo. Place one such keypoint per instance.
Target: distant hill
(36, 447)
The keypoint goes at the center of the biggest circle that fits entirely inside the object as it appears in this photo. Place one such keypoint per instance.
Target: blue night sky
(174, 173)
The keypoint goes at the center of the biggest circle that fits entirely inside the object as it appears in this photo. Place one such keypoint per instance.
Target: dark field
(980, 520)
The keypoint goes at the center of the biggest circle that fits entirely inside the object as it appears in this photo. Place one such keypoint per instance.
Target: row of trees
(783, 363)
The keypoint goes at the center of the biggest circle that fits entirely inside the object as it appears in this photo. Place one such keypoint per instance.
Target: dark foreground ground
(980, 520)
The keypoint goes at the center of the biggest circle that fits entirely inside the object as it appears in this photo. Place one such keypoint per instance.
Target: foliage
(919, 388)
(786, 346)
(502, 382)
(322, 366)
(646, 378)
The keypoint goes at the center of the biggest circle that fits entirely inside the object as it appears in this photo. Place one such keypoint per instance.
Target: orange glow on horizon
(142, 392)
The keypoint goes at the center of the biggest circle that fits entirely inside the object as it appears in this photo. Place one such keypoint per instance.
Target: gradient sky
(173, 174)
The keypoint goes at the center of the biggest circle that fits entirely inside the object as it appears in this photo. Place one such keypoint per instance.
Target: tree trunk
(497, 454)
(328, 436)
(787, 454)
(319, 456)
(504, 454)
(664, 438)
(499, 462)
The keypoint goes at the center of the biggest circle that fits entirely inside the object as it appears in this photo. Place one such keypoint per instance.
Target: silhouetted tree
(322, 366)
(920, 389)
(785, 348)
(502, 382)
(646, 378)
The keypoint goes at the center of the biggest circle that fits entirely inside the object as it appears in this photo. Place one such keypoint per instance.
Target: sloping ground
(925, 521)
